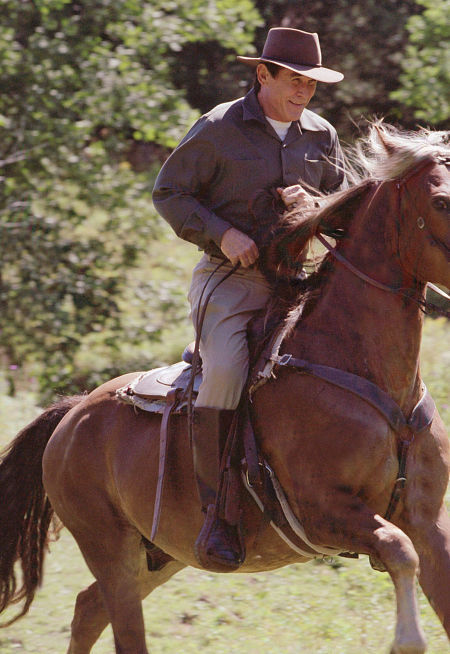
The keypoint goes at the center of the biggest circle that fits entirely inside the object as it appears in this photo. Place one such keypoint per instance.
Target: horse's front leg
(403, 568)
(354, 527)
(396, 551)
(432, 543)
(426, 520)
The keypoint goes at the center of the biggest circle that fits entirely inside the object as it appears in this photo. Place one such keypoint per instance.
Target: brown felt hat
(297, 50)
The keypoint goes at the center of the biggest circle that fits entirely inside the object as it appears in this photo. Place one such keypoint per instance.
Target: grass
(338, 607)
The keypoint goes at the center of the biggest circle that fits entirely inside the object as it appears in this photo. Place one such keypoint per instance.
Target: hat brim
(319, 73)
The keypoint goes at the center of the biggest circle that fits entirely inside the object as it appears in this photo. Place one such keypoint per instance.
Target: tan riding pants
(223, 344)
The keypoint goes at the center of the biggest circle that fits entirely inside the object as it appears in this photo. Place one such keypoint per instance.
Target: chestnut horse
(333, 453)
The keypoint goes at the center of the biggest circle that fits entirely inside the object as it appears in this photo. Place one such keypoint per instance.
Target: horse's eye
(441, 204)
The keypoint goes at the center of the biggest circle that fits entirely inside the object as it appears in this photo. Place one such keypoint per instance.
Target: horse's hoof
(418, 647)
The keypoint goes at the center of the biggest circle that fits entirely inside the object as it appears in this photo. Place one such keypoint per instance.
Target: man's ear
(262, 73)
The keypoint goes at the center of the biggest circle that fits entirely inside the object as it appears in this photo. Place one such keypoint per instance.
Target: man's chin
(296, 115)
(296, 111)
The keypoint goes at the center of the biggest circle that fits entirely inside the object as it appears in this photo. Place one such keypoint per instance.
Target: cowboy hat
(296, 50)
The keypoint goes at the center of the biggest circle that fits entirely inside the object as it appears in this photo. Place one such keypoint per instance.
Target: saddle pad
(149, 390)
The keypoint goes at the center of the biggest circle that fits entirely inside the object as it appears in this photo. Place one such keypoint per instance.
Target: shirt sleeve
(178, 190)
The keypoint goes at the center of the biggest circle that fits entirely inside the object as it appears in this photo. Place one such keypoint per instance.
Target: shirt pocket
(314, 169)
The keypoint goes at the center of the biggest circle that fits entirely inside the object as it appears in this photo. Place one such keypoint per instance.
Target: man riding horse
(268, 139)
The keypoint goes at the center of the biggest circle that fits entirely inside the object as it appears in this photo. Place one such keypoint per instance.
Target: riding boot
(218, 546)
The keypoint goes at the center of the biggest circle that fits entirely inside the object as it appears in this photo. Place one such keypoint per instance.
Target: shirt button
(284, 145)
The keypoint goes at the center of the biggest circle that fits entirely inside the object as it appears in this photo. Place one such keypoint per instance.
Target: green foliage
(85, 84)
(426, 66)
(364, 39)
(81, 82)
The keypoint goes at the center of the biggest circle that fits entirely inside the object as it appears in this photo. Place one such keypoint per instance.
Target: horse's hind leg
(90, 615)
(114, 553)
(89, 620)
(114, 556)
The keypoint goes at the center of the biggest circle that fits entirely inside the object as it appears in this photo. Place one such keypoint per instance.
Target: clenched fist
(239, 248)
(296, 196)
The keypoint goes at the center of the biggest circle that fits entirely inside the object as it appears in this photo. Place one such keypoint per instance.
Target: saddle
(150, 390)
(165, 390)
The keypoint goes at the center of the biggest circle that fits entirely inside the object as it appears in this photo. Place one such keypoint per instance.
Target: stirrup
(209, 559)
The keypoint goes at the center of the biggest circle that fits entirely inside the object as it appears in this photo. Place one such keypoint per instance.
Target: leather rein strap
(176, 396)
(383, 287)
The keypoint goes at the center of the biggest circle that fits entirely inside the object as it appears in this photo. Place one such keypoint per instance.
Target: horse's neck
(368, 331)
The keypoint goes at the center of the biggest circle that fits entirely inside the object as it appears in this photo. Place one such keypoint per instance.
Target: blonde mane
(386, 153)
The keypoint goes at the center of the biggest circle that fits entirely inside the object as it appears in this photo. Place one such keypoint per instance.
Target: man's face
(285, 96)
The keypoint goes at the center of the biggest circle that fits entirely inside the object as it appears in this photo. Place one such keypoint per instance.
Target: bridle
(409, 293)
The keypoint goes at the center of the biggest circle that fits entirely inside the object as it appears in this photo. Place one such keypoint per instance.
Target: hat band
(291, 63)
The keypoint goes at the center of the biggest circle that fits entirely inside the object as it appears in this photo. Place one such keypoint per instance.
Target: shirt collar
(312, 122)
(252, 110)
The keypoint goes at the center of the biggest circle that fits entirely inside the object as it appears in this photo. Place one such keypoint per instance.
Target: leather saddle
(165, 390)
(149, 391)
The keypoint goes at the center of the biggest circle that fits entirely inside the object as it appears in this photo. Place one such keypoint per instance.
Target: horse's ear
(382, 136)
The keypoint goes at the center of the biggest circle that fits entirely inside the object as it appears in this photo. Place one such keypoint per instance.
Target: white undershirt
(280, 127)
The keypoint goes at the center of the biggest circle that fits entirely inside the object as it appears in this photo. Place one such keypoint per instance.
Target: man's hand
(296, 197)
(239, 248)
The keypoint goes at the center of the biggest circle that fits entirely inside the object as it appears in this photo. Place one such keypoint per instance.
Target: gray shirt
(228, 157)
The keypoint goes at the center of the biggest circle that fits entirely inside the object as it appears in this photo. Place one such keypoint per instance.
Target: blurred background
(94, 95)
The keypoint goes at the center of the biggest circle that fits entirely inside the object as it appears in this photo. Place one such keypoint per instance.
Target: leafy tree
(425, 81)
(82, 81)
(364, 39)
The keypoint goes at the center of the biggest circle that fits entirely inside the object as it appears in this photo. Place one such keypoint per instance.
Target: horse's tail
(25, 511)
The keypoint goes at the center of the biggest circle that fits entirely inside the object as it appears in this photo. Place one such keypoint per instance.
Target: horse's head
(424, 236)
(423, 199)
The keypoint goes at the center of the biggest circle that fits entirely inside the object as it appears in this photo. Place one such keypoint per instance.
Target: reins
(373, 282)
(198, 332)
(175, 397)
(401, 290)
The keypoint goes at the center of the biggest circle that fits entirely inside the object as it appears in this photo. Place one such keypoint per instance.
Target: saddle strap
(273, 503)
(171, 402)
(420, 418)
(250, 447)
